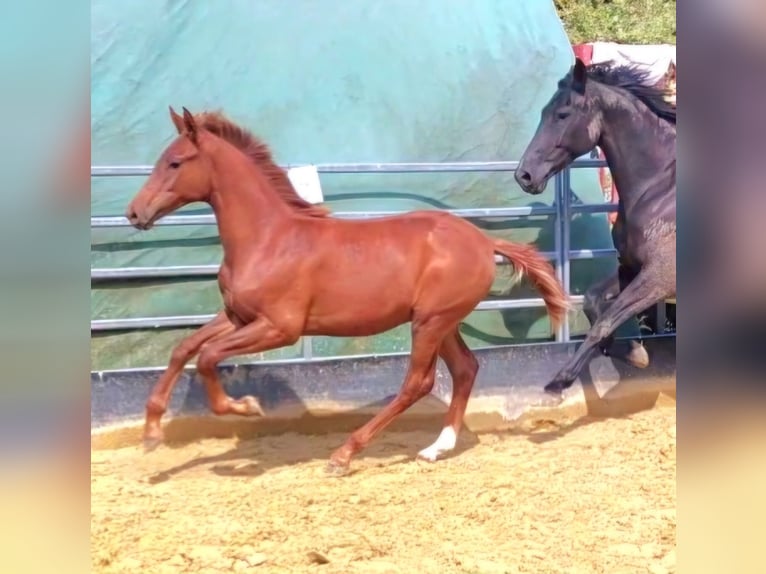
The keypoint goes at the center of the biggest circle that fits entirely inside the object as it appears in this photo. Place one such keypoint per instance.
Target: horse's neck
(248, 211)
(635, 143)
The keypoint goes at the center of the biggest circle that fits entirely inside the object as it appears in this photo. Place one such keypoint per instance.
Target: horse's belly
(351, 317)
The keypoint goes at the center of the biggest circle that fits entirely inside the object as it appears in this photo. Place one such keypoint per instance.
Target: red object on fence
(584, 52)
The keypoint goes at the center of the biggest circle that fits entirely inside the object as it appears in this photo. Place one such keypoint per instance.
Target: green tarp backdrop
(327, 81)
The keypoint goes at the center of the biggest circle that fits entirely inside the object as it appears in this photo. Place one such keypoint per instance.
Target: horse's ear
(178, 121)
(579, 76)
(671, 73)
(190, 125)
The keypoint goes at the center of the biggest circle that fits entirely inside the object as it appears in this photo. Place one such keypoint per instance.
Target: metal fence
(562, 210)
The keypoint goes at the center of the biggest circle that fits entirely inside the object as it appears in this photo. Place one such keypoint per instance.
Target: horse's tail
(528, 261)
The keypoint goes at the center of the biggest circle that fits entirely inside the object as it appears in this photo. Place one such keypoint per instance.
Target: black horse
(615, 108)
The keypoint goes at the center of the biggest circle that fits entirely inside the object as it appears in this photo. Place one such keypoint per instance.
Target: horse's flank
(260, 154)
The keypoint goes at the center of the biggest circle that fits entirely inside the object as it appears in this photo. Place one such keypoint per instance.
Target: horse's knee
(207, 362)
(182, 353)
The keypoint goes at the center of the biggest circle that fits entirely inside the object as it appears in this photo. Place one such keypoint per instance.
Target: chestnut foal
(289, 269)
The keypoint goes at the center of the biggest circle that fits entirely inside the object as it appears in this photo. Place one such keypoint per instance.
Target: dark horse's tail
(528, 261)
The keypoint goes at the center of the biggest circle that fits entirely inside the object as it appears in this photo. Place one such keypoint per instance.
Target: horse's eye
(562, 115)
(175, 164)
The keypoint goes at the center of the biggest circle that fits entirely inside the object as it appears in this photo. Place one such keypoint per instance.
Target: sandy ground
(597, 496)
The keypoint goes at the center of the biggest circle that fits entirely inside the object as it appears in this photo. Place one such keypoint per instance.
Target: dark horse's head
(568, 128)
(572, 121)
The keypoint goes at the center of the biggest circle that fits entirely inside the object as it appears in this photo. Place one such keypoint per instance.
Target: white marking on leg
(445, 443)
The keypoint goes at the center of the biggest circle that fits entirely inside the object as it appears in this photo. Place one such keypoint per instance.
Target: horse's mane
(260, 154)
(635, 81)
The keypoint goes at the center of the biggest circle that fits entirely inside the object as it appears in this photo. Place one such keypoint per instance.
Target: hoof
(337, 469)
(252, 406)
(638, 357)
(633, 354)
(151, 443)
(557, 387)
(427, 456)
(247, 406)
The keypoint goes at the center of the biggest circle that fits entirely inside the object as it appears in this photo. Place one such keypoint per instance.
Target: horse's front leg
(256, 337)
(648, 287)
(157, 403)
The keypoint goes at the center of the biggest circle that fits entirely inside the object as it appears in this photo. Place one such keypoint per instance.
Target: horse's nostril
(131, 216)
(524, 175)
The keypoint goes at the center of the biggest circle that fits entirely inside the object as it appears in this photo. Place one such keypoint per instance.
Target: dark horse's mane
(634, 80)
(260, 154)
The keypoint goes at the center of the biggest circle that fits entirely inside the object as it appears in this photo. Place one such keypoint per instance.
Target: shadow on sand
(302, 445)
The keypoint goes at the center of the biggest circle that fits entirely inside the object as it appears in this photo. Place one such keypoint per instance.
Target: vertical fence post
(308, 347)
(662, 314)
(566, 236)
(564, 215)
(561, 332)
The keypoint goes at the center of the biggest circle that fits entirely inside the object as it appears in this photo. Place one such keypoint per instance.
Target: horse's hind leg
(597, 299)
(463, 367)
(182, 354)
(427, 336)
(650, 286)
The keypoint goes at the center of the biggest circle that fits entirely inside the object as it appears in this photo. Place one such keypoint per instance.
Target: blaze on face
(569, 127)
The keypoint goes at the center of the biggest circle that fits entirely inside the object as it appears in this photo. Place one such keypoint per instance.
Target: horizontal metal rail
(362, 168)
(171, 271)
(179, 321)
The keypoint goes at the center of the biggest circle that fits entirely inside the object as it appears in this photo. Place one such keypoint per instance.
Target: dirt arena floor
(598, 496)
